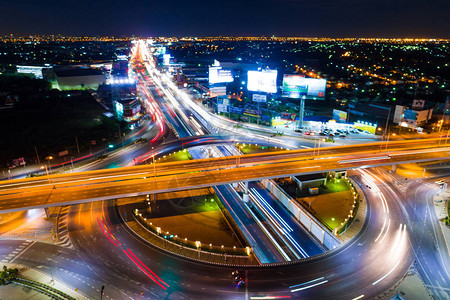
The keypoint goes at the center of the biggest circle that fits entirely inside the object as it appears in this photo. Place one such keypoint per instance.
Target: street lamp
(318, 148)
(45, 166)
(71, 161)
(198, 244)
(49, 158)
(387, 142)
(154, 166)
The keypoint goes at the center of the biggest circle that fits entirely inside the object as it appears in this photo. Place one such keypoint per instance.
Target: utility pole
(37, 155)
(387, 122)
(78, 148)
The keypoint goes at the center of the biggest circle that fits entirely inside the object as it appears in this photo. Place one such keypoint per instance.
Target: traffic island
(246, 148)
(189, 224)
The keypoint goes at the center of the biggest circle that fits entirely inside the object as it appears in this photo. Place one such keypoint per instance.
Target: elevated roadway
(163, 169)
(100, 185)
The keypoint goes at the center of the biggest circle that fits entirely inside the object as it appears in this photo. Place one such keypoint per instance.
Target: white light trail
(308, 287)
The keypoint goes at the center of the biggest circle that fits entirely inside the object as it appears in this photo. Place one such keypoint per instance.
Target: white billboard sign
(219, 75)
(262, 81)
(259, 98)
(217, 91)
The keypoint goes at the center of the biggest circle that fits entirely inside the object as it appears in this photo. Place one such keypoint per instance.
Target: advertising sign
(219, 75)
(297, 86)
(63, 153)
(339, 115)
(259, 98)
(222, 108)
(251, 112)
(262, 81)
(19, 161)
(418, 103)
(166, 58)
(236, 110)
(217, 91)
(222, 104)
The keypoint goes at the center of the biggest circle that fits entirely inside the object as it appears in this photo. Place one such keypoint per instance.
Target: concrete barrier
(306, 218)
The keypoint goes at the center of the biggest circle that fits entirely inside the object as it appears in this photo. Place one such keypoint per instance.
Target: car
(331, 134)
(237, 279)
(298, 130)
(323, 133)
(307, 133)
(342, 135)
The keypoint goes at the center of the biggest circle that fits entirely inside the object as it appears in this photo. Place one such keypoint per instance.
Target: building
(79, 78)
(37, 71)
(414, 118)
(128, 109)
(410, 117)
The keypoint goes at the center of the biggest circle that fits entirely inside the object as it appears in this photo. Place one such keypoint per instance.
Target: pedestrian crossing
(14, 254)
(62, 229)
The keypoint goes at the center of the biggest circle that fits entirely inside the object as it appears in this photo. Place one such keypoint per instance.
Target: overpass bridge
(75, 188)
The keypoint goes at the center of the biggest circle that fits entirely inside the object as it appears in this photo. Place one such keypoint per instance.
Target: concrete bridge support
(245, 195)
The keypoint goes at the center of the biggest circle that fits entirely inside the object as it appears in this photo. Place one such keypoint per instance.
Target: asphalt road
(103, 188)
(368, 265)
(230, 161)
(432, 257)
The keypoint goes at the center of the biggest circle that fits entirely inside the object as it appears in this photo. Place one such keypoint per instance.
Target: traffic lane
(306, 241)
(95, 192)
(368, 264)
(251, 158)
(206, 165)
(108, 263)
(430, 247)
(6, 248)
(259, 241)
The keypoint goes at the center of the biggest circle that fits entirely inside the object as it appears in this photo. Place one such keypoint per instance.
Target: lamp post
(318, 150)
(49, 158)
(198, 244)
(387, 142)
(45, 166)
(154, 167)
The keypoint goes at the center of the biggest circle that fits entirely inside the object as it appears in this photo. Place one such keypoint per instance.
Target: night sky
(314, 18)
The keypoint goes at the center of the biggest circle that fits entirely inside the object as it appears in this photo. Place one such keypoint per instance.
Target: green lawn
(176, 156)
(252, 148)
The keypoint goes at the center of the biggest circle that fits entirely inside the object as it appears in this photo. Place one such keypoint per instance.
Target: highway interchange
(106, 252)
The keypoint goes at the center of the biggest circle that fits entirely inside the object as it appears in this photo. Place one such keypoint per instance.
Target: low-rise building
(79, 78)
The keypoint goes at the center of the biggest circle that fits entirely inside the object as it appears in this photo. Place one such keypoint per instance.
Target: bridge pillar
(245, 195)
(47, 212)
(394, 168)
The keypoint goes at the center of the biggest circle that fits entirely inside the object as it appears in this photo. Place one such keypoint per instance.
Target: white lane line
(24, 250)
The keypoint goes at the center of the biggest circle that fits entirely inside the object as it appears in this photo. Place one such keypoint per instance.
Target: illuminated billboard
(217, 91)
(219, 75)
(262, 81)
(340, 115)
(259, 98)
(166, 58)
(297, 86)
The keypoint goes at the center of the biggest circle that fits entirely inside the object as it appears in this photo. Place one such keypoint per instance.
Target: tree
(8, 275)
